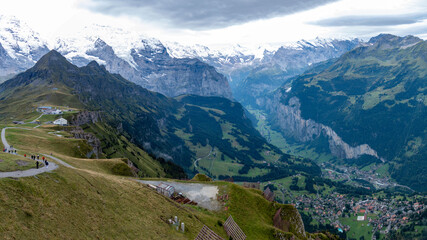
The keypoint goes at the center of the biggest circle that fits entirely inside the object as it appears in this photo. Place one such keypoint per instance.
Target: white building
(61, 122)
(360, 218)
(56, 112)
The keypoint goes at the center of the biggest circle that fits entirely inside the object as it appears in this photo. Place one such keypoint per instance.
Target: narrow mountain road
(38, 118)
(195, 162)
(30, 172)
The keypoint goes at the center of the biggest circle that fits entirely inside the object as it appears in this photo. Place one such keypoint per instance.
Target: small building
(360, 218)
(56, 112)
(43, 109)
(61, 122)
(166, 190)
(251, 185)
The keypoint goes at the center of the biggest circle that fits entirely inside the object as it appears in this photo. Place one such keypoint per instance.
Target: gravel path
(203, 194)
(31, 172)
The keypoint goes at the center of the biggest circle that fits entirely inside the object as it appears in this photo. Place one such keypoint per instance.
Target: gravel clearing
(203, 194)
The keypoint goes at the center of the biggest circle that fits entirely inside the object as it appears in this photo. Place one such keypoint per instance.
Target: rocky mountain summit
(144, 61)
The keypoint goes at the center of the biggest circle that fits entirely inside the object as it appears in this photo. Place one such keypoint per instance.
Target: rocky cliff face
(147, 63)
(86, 117)
(288, 118)
(290, 222)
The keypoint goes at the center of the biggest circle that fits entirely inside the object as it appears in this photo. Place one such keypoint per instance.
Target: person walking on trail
(38, 157)
(46, 163)
(25, 155)
(43, 158)
(37, 164)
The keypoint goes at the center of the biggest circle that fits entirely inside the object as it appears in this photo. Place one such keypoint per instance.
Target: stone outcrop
(85, 117)
(90, 138)
(288, 220)
(288, 119)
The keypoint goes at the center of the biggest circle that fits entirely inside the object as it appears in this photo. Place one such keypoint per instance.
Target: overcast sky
(215, 22)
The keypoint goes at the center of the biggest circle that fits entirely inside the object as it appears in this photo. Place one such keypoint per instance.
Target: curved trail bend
(30, 172)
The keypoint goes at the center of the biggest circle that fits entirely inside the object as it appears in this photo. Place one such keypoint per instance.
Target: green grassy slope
(93, 202)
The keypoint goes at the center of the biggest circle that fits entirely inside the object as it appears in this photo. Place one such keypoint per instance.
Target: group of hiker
(11, 150)
(33, 157)
(37, 158)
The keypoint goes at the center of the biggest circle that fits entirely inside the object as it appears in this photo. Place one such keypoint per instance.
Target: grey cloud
(203, 14)
(371, 20)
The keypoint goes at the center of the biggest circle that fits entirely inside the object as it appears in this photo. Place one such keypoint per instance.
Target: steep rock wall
(288, 119)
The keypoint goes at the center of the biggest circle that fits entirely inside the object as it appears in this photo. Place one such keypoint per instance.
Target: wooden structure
(183, 200)
(207, 234)
(268, 194)
(233, 230)
(251, 185)
(230, 179)
(165, 189)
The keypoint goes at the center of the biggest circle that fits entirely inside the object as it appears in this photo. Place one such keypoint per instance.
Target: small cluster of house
(51, 111)
(48, 110)
(60, 122)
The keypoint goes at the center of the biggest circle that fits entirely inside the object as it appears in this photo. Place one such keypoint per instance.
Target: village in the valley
(383, 214)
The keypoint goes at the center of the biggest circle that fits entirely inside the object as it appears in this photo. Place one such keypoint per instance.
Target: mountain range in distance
(168, 68)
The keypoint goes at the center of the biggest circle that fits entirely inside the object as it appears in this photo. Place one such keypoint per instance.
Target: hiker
(46, 163)
(15, 152)
(25, 155)
(37, 165)
(43, 158)
(38, 157)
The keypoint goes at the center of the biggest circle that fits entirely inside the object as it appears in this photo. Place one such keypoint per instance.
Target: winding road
(30, 172)
(195, 162)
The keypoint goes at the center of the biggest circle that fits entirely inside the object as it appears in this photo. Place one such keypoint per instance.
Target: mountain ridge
(365, 95)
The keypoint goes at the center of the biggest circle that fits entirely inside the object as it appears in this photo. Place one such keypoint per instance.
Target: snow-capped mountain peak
(18, 39)
(122, 41)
